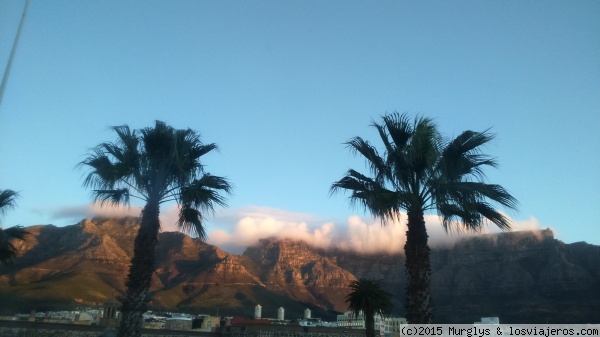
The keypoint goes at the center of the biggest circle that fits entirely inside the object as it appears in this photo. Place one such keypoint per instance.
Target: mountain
(86, 264)
(520, 277)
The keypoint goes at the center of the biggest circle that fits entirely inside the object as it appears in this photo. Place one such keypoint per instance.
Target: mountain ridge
(522, 277)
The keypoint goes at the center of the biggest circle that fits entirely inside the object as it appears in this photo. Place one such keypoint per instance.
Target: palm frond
(353, 181)
(384, 136)
(158, 141)
(480, 191)
(470, 216)
(203, 149)
(128, 151)
(17, 232)
(471, 140)
(190, 221)
(491, 214)
(8, 200)
(102, 173)
(112, 197)
(126, 136)
(399, 128)
(8, 251)
(423, 151)
(368, 194)
(376, 164)
(198, 197)
(187, 151)
(462, 156)
(204, 193)
(195, 190)
(463, 192)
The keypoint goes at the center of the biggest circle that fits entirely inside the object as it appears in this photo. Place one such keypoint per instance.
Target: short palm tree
(7, 250)
(368, 297)
(156, 165)
(419, 172)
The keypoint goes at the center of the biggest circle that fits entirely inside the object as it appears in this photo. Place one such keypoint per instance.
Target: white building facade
(348, 320)
(390, 326)
(178, 323)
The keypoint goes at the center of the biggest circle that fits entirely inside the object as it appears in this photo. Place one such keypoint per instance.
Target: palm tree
(368, 297)
(156, 165)
(420, 172)
(7, 250)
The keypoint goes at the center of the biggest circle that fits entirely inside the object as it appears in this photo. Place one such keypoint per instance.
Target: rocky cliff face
(523, 276)
(520, 277)
(292, 268)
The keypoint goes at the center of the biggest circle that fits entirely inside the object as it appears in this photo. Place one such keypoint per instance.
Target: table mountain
(520, 277)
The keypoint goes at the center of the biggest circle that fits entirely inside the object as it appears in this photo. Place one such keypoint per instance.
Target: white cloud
(372, 237)
(168, 215)
(358, 234)
(255, 223)
(168, 218)
(94, 209)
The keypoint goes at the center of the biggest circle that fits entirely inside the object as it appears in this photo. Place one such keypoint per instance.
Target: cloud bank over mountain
(235, 229)
(358, 234)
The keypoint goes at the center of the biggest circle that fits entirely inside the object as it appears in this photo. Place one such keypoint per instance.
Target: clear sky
(280, 85)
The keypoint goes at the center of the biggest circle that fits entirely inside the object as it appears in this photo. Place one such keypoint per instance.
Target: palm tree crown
(367, 296)
(7, 250)
(157, 165)
(419, 172)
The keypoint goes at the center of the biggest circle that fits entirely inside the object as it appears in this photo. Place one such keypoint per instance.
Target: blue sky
(280, 85)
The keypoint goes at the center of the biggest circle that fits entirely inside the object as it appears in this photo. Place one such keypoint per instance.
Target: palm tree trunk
(369, 324)
(418, 306)
(140, 273)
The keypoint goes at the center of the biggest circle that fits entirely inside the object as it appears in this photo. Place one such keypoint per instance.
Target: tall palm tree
(419, 172)
(368, 297)
(156, 165)
(7, 250)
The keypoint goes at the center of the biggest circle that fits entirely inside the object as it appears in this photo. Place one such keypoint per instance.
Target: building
(388, 326)
(348, 320)
(287, 330)
(310, 322)
(307, 313)
(206, 323)
(314, 322)
(84, 318)
(110, 314)
(257, 312)
(178, 323)
(280, 314)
